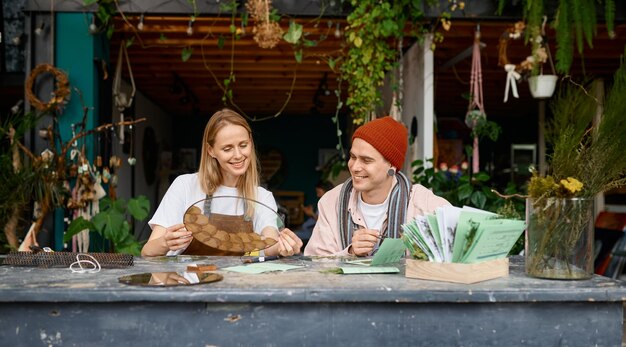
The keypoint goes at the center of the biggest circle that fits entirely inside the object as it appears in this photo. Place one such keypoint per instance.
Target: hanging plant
(370, 25)
(103, 21)
(267, 32)
(374, 27)
(574, 21)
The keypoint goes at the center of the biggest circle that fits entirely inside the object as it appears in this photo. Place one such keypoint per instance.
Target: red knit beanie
(388, 136)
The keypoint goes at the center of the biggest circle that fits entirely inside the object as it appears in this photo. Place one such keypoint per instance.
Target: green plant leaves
(111, 222)
(298, 55)
(77, 225)
(478, 199)
(294, 33)
(465, 191)
(331, 63)
(186, 53)
(139, 207)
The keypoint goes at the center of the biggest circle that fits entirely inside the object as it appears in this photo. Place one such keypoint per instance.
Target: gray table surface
(307, 284)
(303, 307)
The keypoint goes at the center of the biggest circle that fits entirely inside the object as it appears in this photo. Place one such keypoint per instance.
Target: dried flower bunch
(588, 154)
(258, 9)
(267, 33)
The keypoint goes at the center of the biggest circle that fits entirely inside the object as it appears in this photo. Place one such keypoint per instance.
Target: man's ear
(391, 171)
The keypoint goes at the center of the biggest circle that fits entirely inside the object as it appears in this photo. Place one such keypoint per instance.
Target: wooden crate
(456, 272)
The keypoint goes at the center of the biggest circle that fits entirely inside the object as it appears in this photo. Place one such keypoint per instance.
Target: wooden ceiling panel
(264, 77)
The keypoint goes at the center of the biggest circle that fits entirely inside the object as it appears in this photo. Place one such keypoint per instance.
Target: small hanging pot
(542, 86)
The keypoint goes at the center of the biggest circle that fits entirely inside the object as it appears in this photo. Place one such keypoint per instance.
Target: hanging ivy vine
(374, 28)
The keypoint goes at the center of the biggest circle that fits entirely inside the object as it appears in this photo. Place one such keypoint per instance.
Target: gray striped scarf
(396, 213)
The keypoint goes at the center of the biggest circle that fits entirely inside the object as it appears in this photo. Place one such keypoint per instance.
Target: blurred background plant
(587, 150)
(460, 187)
(24, 181)
(112, 223)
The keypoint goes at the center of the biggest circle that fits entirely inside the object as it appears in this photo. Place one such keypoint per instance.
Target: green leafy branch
(107, 10)
(374, 28)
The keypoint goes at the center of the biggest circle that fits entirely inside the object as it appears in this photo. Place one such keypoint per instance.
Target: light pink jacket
(325, 239)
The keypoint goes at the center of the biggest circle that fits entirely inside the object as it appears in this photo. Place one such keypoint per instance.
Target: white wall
(418, 99)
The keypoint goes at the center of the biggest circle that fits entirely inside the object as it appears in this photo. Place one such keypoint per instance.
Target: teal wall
(76, 52)
(298, 138)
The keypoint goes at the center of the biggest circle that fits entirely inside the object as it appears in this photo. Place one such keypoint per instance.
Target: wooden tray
(457, 272)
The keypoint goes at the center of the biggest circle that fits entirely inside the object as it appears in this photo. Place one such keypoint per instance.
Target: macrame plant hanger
(476, 94)
(121, 99)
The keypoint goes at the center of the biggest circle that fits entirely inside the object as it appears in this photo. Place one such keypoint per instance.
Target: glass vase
(559, 238)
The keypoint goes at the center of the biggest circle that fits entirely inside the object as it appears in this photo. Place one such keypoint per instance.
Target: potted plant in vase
(587, 159)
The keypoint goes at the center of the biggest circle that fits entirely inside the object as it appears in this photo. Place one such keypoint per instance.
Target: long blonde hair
(209, 172)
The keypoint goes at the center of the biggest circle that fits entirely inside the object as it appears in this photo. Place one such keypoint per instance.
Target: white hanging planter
(542, 86)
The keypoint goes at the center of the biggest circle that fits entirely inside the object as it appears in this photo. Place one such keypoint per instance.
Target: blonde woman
(228, 167)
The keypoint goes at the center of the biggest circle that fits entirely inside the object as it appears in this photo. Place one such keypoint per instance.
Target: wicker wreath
(59, 95)
(513, 33)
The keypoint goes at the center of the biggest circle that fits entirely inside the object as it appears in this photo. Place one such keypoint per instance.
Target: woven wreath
(59, 95)
(513, 33)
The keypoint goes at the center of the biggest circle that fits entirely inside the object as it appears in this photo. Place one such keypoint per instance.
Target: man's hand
(364, 241)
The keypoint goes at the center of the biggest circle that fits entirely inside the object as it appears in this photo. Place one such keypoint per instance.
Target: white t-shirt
(185, 191)
(374, 215)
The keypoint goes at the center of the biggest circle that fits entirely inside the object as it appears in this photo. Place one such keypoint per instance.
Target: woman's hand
(363, 241)
(177, 237)
(288, 243)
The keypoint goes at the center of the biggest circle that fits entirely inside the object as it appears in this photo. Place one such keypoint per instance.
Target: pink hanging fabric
(476, 92)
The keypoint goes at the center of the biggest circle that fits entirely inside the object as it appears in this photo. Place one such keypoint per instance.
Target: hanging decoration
(542, 86)
(85, 199)
(121, 99)
(476, 111)
(56, 161)
(267, 33)
(514, 72)
(131, 157)
(60, 95)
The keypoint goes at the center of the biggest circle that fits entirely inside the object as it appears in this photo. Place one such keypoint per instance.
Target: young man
(373, 204)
